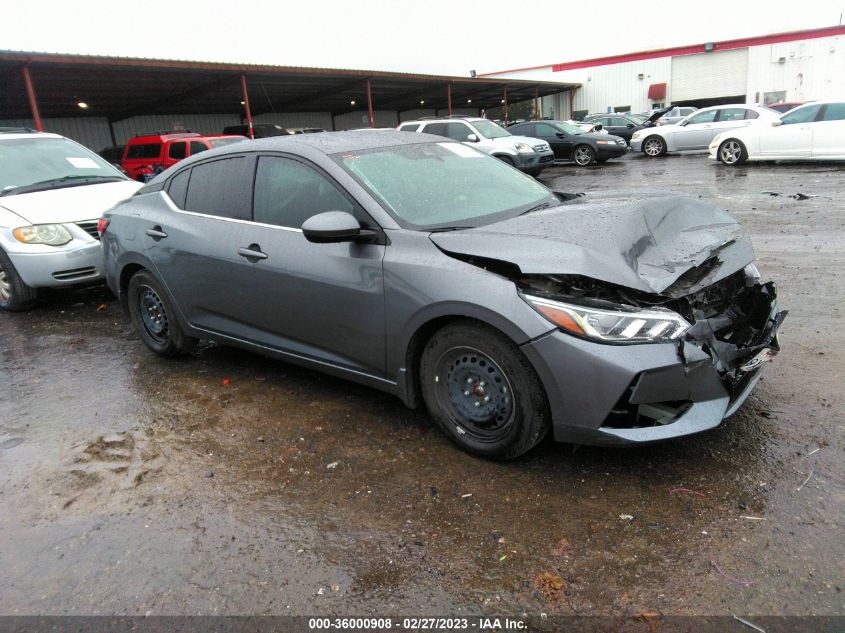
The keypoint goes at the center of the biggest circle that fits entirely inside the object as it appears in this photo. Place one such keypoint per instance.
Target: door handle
(156, 233)
(252, 253)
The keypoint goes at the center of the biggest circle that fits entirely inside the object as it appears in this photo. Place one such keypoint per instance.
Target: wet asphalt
(226, 483)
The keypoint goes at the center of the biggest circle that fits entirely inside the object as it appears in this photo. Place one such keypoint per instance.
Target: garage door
(709, 75)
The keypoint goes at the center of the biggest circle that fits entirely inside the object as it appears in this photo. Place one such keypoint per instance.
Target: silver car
(424, 268)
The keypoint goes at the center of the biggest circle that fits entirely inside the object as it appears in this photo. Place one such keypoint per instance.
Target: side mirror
(598, 126)
(335, 226)
(630, 126)
(472, 138)
(777, 122)
(560, 135)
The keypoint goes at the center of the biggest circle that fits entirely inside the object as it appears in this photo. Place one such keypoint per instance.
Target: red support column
(246, 107)
(506, 106)
(370, 104)
(449, 96)
(33, 100)
(536, 104)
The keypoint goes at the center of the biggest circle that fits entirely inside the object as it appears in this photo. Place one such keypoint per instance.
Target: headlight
(523, 148)
(51, 234)
(636, 135)
(656, 325)
(606, 142)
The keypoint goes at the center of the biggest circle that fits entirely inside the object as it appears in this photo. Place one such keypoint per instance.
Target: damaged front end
(729, 331)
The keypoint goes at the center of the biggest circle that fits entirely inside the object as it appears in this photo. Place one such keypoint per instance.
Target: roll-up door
(709, 75)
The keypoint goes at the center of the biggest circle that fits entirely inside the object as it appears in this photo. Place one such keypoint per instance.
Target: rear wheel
(583, 155)
(15, 295)
(483, 392)
(154, 318)
(732, 152)
(654, 146)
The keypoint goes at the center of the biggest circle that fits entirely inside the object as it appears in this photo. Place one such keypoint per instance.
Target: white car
(696, 131)
(815, 131)
(52, 194)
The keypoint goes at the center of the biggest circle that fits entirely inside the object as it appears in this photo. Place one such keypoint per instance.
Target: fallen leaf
(101, 307)
(226, 381)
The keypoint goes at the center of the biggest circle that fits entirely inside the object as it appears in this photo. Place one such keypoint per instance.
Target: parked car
(570, 142)
(815, 131)
(145, 156)
(783, 108)
(529, 155)
(265, 130)
(52, 193)
(672, 114)
(423, 267)
(589, 128)
(620, 125)
(114, 155)
(696, 131)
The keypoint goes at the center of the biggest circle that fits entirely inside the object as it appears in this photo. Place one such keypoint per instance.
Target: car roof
(166, 136)
(4, 135)
(442, 119)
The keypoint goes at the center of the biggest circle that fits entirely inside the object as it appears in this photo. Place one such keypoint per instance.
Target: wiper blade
(55, 183)
(539, 207)
(443, 229)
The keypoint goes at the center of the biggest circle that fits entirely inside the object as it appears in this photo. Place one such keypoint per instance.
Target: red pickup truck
(145, 156)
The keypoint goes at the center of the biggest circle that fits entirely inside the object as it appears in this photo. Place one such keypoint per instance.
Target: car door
(560, 141)
(696, 132)
(793, 138)
(829, 133)
(732, 118)
(257, 278)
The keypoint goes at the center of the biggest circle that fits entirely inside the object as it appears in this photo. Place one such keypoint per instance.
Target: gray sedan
(424, 268)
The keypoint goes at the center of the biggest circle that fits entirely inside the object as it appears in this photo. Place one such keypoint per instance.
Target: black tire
(507, 160)
(154, 317)
(15, 295)
(654, 146)
(732, 152)
(583, 155)
(601, 160)
(483, 392)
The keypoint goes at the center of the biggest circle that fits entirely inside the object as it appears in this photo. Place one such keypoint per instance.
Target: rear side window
(197, 147)
(732, 114)
(177, 189)
(288, 192)
(436, 128)
(834, 112)
(411, 127)
(144, 150)
(220, 187)
(752, 114)
(178, 150)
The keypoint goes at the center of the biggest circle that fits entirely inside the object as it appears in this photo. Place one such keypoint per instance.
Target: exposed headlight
(752, 273)
(656, 325)
(51, 234)
(523, 148)
(636, 135)
(606, 142)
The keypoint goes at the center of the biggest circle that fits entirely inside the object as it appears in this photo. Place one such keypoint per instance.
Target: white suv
(52, 194)
(530, 155)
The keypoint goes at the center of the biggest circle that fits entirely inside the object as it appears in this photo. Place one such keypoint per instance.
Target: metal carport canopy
(121, 87)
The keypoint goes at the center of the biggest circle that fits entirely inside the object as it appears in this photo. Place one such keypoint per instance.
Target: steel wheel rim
(731, 151)
(653, 147)
(5, 287)
(583, 156)
(153, 315)
(475, 393)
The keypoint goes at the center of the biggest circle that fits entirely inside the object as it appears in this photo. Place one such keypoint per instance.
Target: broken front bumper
(620, 395)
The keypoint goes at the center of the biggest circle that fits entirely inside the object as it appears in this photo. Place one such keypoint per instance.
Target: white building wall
(811, 70)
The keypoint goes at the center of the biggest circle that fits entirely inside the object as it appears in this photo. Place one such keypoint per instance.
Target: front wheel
(732, 152)
(154, 318)
(483, 392)
(654, 146)
(15, 295)
(583, 155)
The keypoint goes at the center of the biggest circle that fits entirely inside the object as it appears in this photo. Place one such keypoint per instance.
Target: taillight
(102, 223)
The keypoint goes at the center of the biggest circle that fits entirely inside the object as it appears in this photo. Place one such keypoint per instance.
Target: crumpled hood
(69, 204)
(646, 245)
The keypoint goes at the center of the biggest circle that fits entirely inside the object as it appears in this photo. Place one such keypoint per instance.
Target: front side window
(545, 130)
(48, 163)
(458, 131)
(732, 114)
(801, 115)
(436, 128)
(220, 187)
(178, 150)
(439, 185)
(703, 117)
(834, 112)
(288, 192)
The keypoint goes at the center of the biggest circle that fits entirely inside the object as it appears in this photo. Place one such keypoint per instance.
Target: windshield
(488, 129)
(572, 130)
(638, 118)
(26, 161)
(439, 185)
